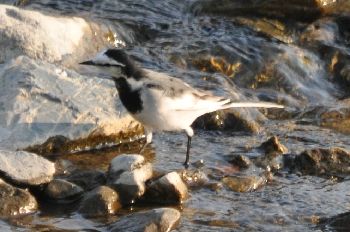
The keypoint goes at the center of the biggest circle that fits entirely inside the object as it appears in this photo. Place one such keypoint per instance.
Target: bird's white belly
(165, 121)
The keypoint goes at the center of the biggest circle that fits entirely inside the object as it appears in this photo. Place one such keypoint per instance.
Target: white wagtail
(161, 102)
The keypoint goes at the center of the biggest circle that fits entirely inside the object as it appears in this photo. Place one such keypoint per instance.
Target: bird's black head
(117, 58)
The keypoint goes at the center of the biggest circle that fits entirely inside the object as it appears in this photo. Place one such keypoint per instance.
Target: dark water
(167, 36)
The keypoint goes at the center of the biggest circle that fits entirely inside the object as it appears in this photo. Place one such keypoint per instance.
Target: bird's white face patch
(103, 59)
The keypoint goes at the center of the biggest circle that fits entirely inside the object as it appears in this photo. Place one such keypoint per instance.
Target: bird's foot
(186, 164)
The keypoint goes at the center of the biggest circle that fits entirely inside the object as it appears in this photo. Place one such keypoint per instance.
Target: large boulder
(50, 38)
(26, 168)
(39, 100)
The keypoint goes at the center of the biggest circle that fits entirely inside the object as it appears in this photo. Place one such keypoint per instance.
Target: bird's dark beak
(88, 62)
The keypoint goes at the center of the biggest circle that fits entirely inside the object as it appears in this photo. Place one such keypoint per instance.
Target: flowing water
(229, 58)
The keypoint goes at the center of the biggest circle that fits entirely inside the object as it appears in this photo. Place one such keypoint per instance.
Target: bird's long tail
(231, 104)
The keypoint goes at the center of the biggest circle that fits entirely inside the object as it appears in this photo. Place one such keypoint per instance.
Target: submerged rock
(88, 179)
(168, 189)
(62, 190)
(242, 161)
(245, 183)
(26, 168)
(15, 201)
(101, 201)
(323, 161)
(127, 174)
(154, 220)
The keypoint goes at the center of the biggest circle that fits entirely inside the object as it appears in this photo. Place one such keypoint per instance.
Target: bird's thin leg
(186, 164)
(189, 133)
(148, 134)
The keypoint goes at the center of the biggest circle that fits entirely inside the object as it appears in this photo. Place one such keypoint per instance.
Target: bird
(158, 101)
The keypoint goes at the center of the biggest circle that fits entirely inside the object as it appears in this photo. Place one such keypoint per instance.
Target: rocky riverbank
(69, 151)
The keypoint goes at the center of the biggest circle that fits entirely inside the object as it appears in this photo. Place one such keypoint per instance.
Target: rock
(50, 38)
(286, 10)
(26, 168)
(233, 120)
(271, 159)
(273, 145)
(63, 191)
(244, 183)
(194, 178)
(169, 189)
(323, 31)
(88, 179)
(337, 117)
(242, 161)
(15, 201)
(128, 174)
(323, 161)
(154, 220)
(37, 102)
(101, 201)
(339, 222)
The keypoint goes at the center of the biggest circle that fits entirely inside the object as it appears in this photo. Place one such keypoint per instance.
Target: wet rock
(101, 201)
(245, 183)
(127, 174)
(36, 97)
(227, 120)
(273, 145)
(169, 189)
(64, 167)
(324, 31)
(63, 191)
(298, 10)
(242, 161)
(323, 161)
(51, 38)
(194, 178)
(155, 220)
(26, 168)
(271, 159)
(88, 179)
(338, 223)
(15, 201)
(336, 118)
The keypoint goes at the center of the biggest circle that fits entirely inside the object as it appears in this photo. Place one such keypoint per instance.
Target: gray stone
(37, 102)
(15, 201)
(88, 179)
(169, 189)
(26, 168)
(63, 190)
(155, 220)
(50, 38)
(128, 174)
(101, 201)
